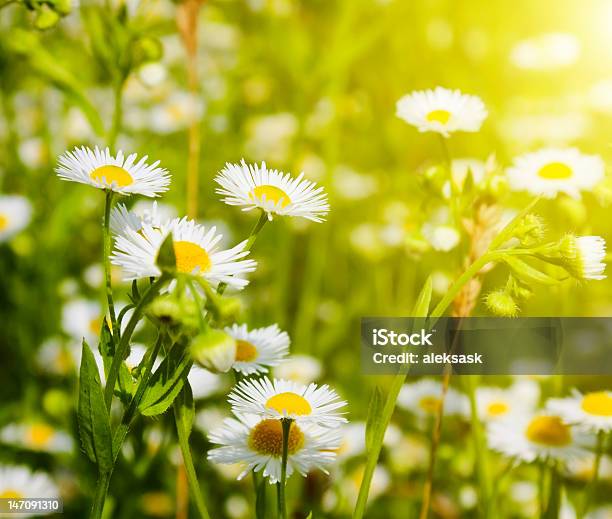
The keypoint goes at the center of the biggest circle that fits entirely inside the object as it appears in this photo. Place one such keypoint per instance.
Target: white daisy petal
(17, 482)
(98, 168)
(442, 111)
(258, 349)
(591, 411)
(551, 171)
(15, 215)
(275, 192)
(284, 398)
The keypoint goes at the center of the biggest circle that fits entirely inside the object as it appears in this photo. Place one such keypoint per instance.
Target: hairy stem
(107, 267)
(100, 495)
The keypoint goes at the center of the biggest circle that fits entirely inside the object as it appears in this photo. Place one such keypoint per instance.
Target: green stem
(100, 496)
(282, 502)
(599, 450)
(124, 343)
(259, 485)
(107, 266)
(192, 477)
(263, 219)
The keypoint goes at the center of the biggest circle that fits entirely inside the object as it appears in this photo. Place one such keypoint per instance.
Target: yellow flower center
(9, 493)
(598, 403)
(555, 171)
(549, 431)
(430, 404)
(438, 116)
(267, 438)
(3, 222)
(95, 326)
(190, 256)
(290, 403)
(245, 351)
(497, 408)
(272, 194)
(38, 435)
(109, 174)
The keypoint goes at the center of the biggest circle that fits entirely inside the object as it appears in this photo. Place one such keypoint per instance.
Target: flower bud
(214, 350)
(583, 256)
(501, 303)
(530, 230)
(167, 309)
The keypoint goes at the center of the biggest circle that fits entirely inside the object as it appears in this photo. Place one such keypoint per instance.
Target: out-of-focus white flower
(546, 52)
(37, 436)
(442, 111)
(15, 215)
(441, 237)
(54, 357)
(270, 137)
(591, 411)
(82, 319)
(303, 369)
(424, 399)
(176, 112)
(549, 129)
(496, 403)
(152, 74)
(33, 152)
(350, 185)
(20, 483)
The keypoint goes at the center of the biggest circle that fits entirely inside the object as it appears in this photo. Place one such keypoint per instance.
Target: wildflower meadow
(200, 202)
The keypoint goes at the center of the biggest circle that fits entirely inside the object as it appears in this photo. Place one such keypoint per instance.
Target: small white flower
(15, 215)
(543, 436)
(442, 111)
(195, 248)
(258, 349)
(18, 482)
(424, 398)
(176, 112)
(54, 357)
(273, 191)
(496, 403)
(551, 171)
(98, 168)
(591, 411)
(441, 237)
(584, 256)
(82, 319)
(299, 368)
(256, 443)
(37, 436)
(285, 399)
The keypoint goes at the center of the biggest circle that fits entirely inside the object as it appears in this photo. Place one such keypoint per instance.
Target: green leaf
(374, 414)
(166, 259)
(528, 273)
(185, 409)
(166, 383)
(93, 419)
(421, 307)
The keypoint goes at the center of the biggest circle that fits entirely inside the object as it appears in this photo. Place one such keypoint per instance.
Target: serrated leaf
(374, 414)
(166, 383)
(166, 259)
(93, 419)
(528, 273)
(421, 307)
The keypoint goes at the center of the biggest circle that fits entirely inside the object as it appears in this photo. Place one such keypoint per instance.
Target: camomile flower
(36, 436)
(584, 256)
(285, 399)
(256, 443)
(121, 174)
(195, 248)
(591, 411)
(299, 368)
(496, 403)
(531, 437)
(275, 192)
(257, 349)
(15, 215)
(551, 171)
(442, 111)
(424, 399)
(18, 482)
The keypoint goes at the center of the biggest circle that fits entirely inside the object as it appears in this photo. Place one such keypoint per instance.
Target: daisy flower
(82, 319)
(195, 248)
(496, 403)
(275, 192)
(121, 174)
(299, 368)
(36, 436)
(285, 399)
(21, 482)
(591, 411)
(257, 349)
(584, 256)
(530, 437)
(257, 444)
(442, 111)
(424, 399)
(153, 215)
(551, 171)
(15, 215)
